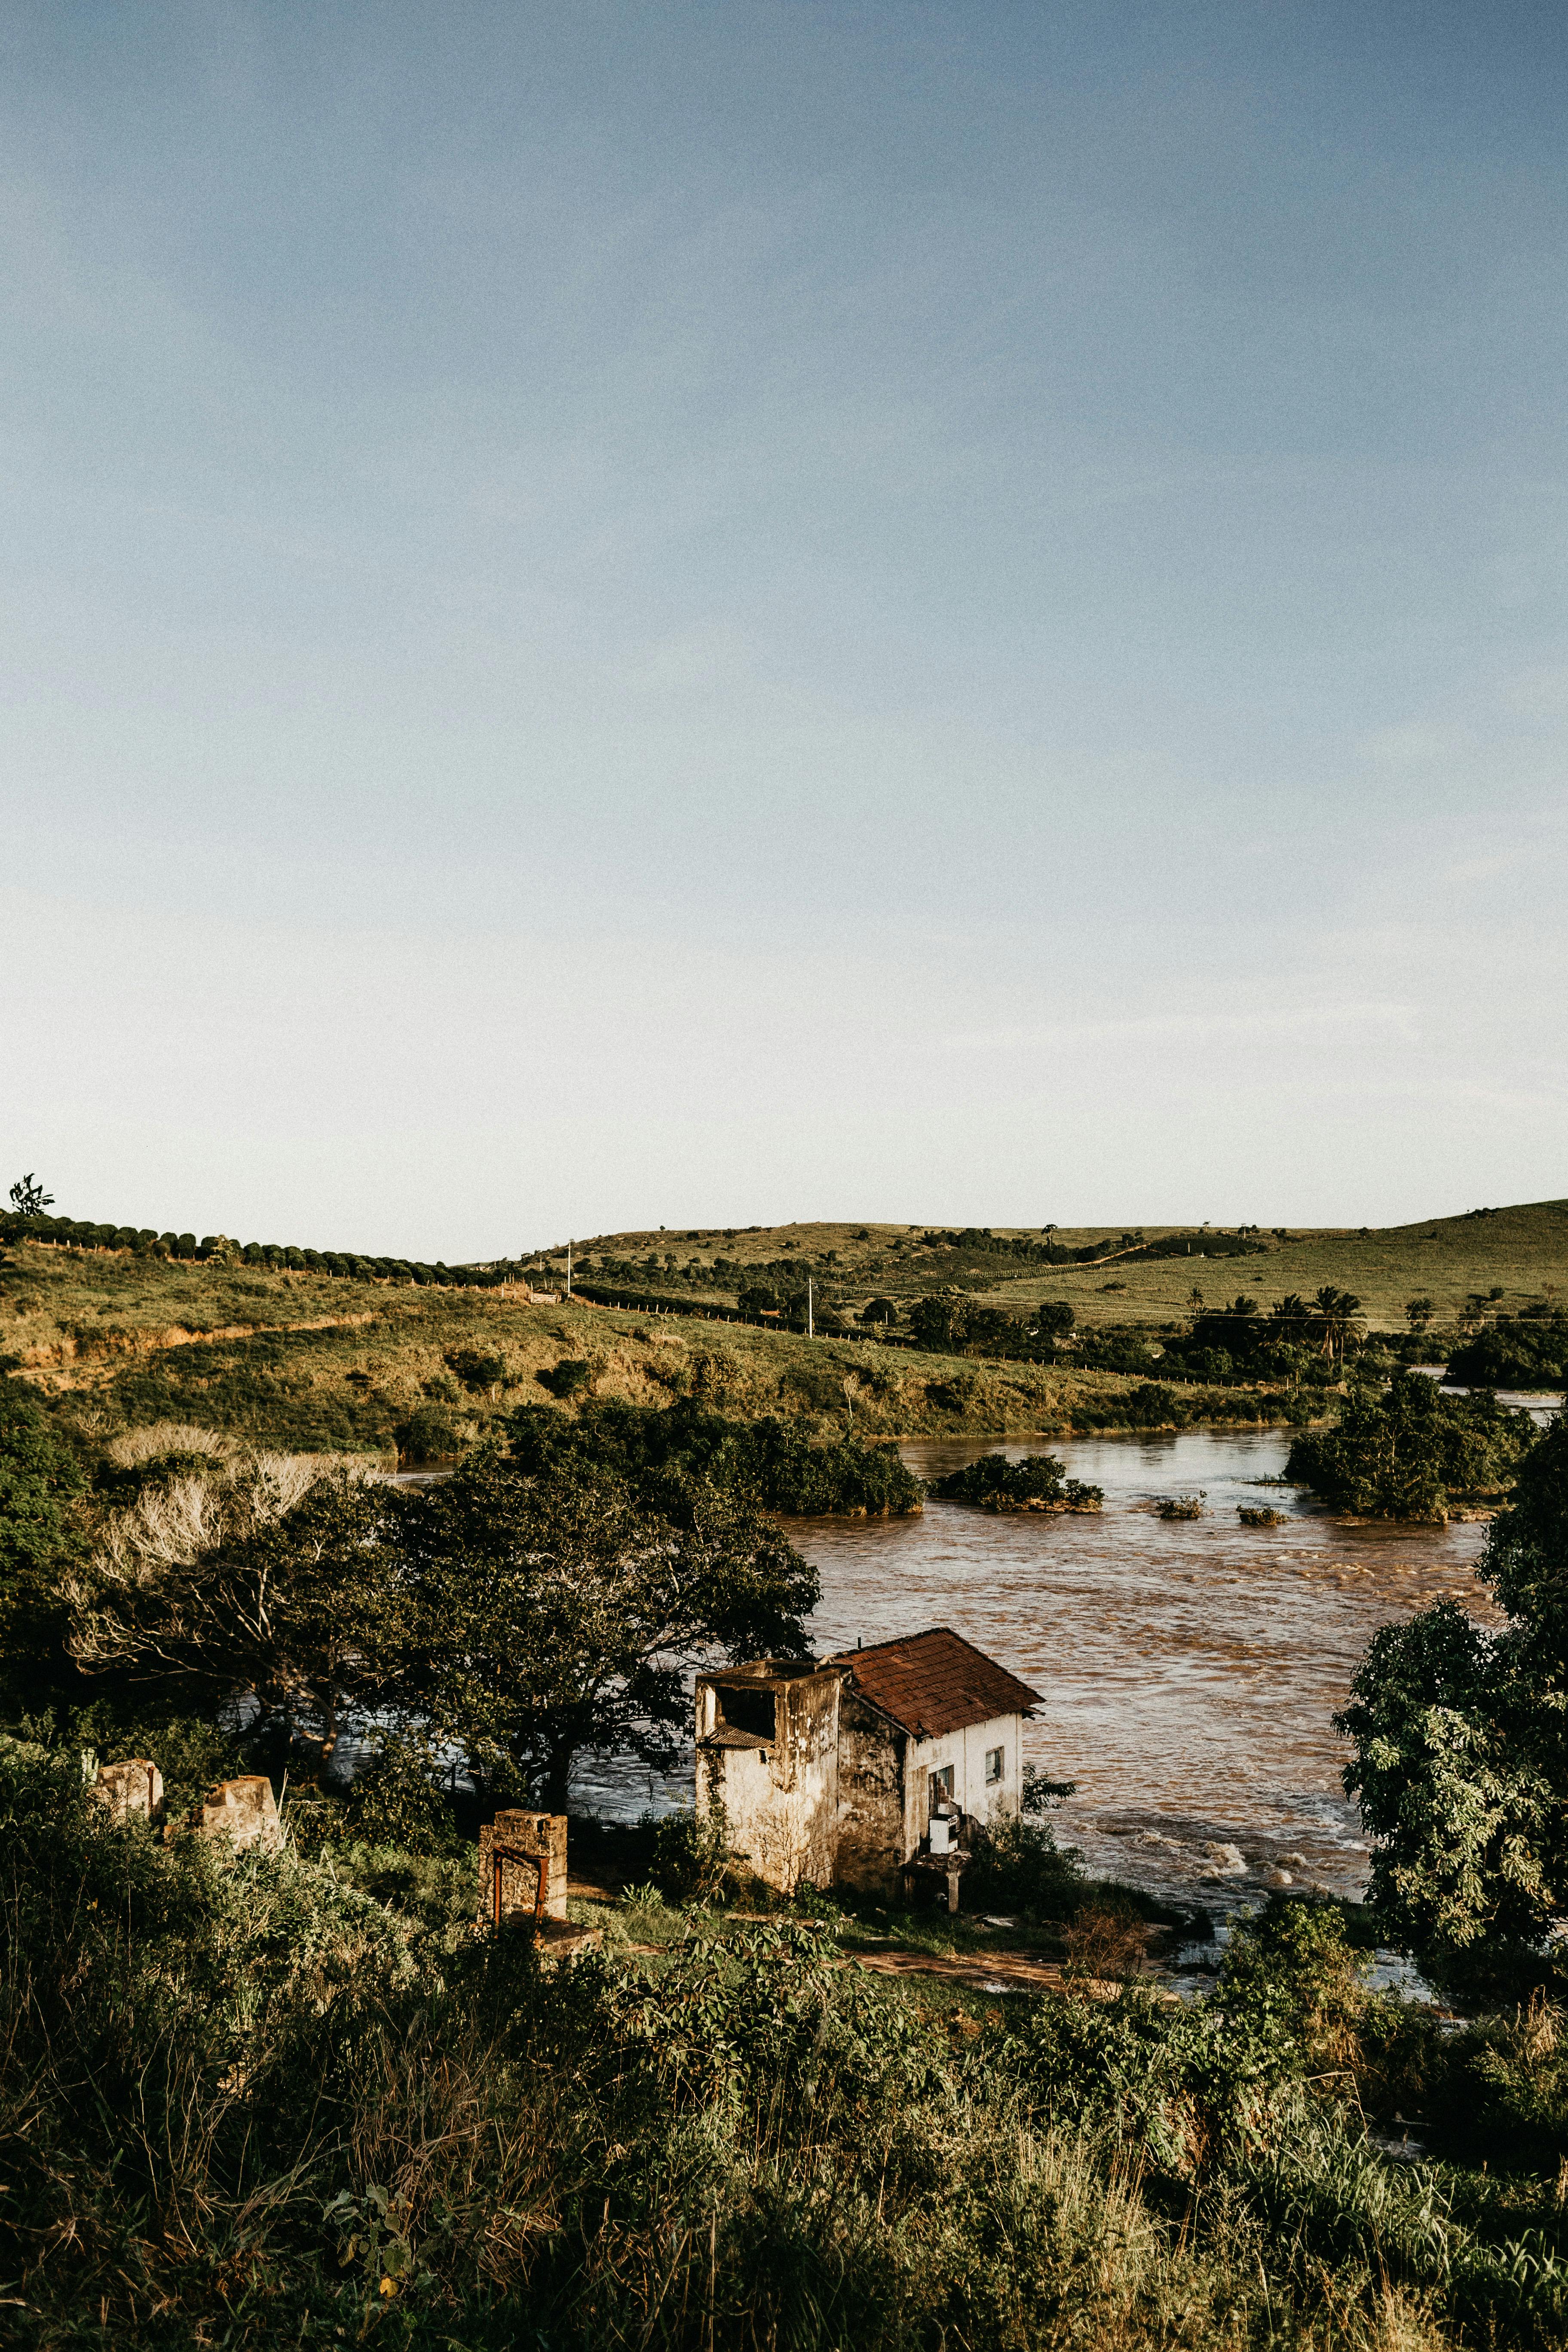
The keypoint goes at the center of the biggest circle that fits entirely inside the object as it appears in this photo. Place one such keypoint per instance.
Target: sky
(708, 614)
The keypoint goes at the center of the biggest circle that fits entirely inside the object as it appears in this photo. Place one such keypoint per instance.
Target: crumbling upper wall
(779, 1789)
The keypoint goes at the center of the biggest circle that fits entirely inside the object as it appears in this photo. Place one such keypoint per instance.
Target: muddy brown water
(1188, 1670)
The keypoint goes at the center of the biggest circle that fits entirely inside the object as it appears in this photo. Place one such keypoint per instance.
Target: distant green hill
(1492, 1261)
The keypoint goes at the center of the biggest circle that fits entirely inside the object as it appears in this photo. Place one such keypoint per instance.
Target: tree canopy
(29, 1197)
(1460, 1735)
(40, 1484)
(560, 1612)
(660, 1447)
(1410, 1452)
(1521, 1352)
(272, 1577)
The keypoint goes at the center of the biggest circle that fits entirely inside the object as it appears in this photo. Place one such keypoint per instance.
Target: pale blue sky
(701, 614)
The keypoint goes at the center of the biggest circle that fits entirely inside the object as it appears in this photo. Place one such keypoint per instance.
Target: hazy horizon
(713, 616)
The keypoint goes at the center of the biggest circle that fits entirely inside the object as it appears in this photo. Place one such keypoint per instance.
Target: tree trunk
(557, 1778)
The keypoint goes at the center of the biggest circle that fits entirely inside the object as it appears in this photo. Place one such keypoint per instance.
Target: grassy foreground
(310, 1361)
(279, 2102)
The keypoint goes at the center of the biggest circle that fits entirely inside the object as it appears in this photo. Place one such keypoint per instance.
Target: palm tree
(1339, 1318)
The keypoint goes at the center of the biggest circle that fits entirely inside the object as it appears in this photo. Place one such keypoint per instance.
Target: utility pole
(810, 1325)
(568, 1269)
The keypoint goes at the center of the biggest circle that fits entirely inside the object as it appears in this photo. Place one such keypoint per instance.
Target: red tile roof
(935, 1681)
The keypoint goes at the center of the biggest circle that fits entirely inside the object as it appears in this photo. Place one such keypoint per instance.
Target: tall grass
(242, 2102)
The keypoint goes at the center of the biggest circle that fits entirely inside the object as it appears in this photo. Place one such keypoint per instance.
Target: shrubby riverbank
(656, 1448)
(304, 2097)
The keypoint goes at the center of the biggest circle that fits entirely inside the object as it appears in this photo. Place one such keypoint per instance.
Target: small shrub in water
(1038, 1483)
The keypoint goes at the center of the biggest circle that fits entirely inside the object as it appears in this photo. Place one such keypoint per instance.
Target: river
(1188, 1670)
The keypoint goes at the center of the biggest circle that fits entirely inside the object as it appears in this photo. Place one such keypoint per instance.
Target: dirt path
(980, 1971)
(997, 1972)
(96, 1351)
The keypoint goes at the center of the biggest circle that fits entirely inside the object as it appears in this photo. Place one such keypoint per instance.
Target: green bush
(663, 1448)
(427, 1435)
(691, 1860)
(1412, 1453)
(1038, 1483)
(1017, 1866)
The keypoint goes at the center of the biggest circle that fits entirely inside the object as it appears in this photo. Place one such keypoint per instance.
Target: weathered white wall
(965, 1751)
(781, 1802)
(872, 1797)
(841, 1796)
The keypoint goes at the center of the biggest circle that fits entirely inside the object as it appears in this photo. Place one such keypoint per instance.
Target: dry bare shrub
(159, 1439)
(148, 1551)
(1106, 1940)
(173, 1522)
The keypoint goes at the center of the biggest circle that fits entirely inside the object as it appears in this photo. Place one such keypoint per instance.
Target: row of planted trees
(219, 1249)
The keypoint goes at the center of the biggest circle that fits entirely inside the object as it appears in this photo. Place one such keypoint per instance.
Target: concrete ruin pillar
(134, 1787)
(514, 1848)
(244, 1811)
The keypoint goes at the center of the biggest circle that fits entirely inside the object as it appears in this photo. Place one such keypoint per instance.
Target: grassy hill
(1519, 1252)
(307, 1359)
(316, 1362)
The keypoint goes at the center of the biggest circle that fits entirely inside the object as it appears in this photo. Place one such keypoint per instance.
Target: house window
(941, 1784)
(748, 1708)
(993, 1758)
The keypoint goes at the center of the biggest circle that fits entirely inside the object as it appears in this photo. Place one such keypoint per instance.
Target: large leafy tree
(941, 1321)
(1460, 1735)
(562, 1612)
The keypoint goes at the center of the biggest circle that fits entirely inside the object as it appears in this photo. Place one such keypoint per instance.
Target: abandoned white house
(830, 1771)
